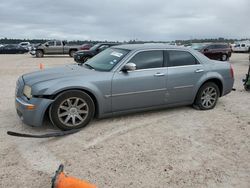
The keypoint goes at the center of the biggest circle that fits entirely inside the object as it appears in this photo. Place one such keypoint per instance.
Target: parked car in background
(122, 79)
(26, 45)
(86, 46)
(54, 47)
(243, 46)
(12, 49)
(216, 51)
(82, 56)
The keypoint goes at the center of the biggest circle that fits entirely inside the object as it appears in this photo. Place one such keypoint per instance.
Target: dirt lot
(178, 147)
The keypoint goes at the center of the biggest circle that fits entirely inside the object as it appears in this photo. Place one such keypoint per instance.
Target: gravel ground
(177, 147)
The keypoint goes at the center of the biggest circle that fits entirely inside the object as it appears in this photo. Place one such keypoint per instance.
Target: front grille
(19, 87)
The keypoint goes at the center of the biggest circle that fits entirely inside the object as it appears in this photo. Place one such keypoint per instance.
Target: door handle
(199, 70)
(158, 74)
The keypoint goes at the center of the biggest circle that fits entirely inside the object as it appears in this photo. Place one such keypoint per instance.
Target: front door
(143, 87)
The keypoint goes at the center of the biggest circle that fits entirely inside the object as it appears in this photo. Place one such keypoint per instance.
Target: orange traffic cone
(60, 180)
(41, 66)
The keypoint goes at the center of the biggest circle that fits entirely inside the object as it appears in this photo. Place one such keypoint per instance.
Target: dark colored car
(82, 56)
(86, 46)
(219, 51)
(13, 49)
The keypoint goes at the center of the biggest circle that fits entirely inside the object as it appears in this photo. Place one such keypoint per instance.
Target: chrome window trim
(185, 66)
(150, 69)
(126, 60)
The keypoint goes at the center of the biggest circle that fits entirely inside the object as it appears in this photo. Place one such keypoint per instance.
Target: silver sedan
(122, 79)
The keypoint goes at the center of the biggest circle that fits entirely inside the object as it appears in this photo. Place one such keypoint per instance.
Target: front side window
(58, 43)
(51, 43)
(148, 59)
(243, 45)
(180, 58)
(106, 60)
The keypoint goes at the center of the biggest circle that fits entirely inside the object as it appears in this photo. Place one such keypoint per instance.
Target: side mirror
(47, 45)
(206, 50)
(129, 67)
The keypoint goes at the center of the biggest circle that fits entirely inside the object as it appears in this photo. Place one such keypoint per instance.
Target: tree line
(79, 42)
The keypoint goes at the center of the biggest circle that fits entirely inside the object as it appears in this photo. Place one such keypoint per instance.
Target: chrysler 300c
(122, 79)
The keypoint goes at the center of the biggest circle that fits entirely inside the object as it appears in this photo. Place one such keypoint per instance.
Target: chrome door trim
(182, 87)
(136, 92)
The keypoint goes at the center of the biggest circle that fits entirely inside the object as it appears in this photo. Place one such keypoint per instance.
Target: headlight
(27, 91)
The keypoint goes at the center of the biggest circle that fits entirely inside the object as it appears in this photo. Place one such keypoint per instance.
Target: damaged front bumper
(32, 111)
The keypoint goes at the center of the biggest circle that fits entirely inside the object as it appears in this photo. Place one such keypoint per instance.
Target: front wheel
(224, 57)
(39, 53)
(207, 96)
(72, 110)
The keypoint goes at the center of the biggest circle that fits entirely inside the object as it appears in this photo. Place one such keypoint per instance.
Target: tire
(39, 53)
(72, 52)
(72, 110)
(224, 57)
(208, 92)
(247, 87)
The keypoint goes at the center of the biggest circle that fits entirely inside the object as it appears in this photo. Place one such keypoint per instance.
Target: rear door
(143, 87)
(184, 72)
(58, 48)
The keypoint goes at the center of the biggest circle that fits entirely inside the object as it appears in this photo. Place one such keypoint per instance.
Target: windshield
(197, 46)
(95, 47)
(107, 59)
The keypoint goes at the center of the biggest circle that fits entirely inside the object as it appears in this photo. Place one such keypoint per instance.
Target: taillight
(231, 71)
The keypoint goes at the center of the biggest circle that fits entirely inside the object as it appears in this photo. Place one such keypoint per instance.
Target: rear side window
(219, 46)
(148, 59)
(180, 58)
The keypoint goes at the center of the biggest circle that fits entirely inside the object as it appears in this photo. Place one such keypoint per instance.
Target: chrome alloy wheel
(208, 97)
(73, 111)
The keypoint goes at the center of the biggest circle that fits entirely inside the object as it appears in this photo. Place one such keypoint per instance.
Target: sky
(123, 20)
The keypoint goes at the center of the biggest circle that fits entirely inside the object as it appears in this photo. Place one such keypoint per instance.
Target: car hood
(56, 73)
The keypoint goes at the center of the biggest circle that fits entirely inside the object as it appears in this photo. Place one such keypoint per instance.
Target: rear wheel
(72, 52)
(72, 110)
(207, 96)
(39, 53)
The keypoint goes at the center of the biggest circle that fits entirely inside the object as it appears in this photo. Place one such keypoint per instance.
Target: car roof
(148, 46)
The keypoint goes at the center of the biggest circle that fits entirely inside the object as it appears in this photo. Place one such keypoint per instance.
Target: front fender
(98, 90)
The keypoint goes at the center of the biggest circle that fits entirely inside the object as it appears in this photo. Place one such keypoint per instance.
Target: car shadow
(48, 127)
(52, 56)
